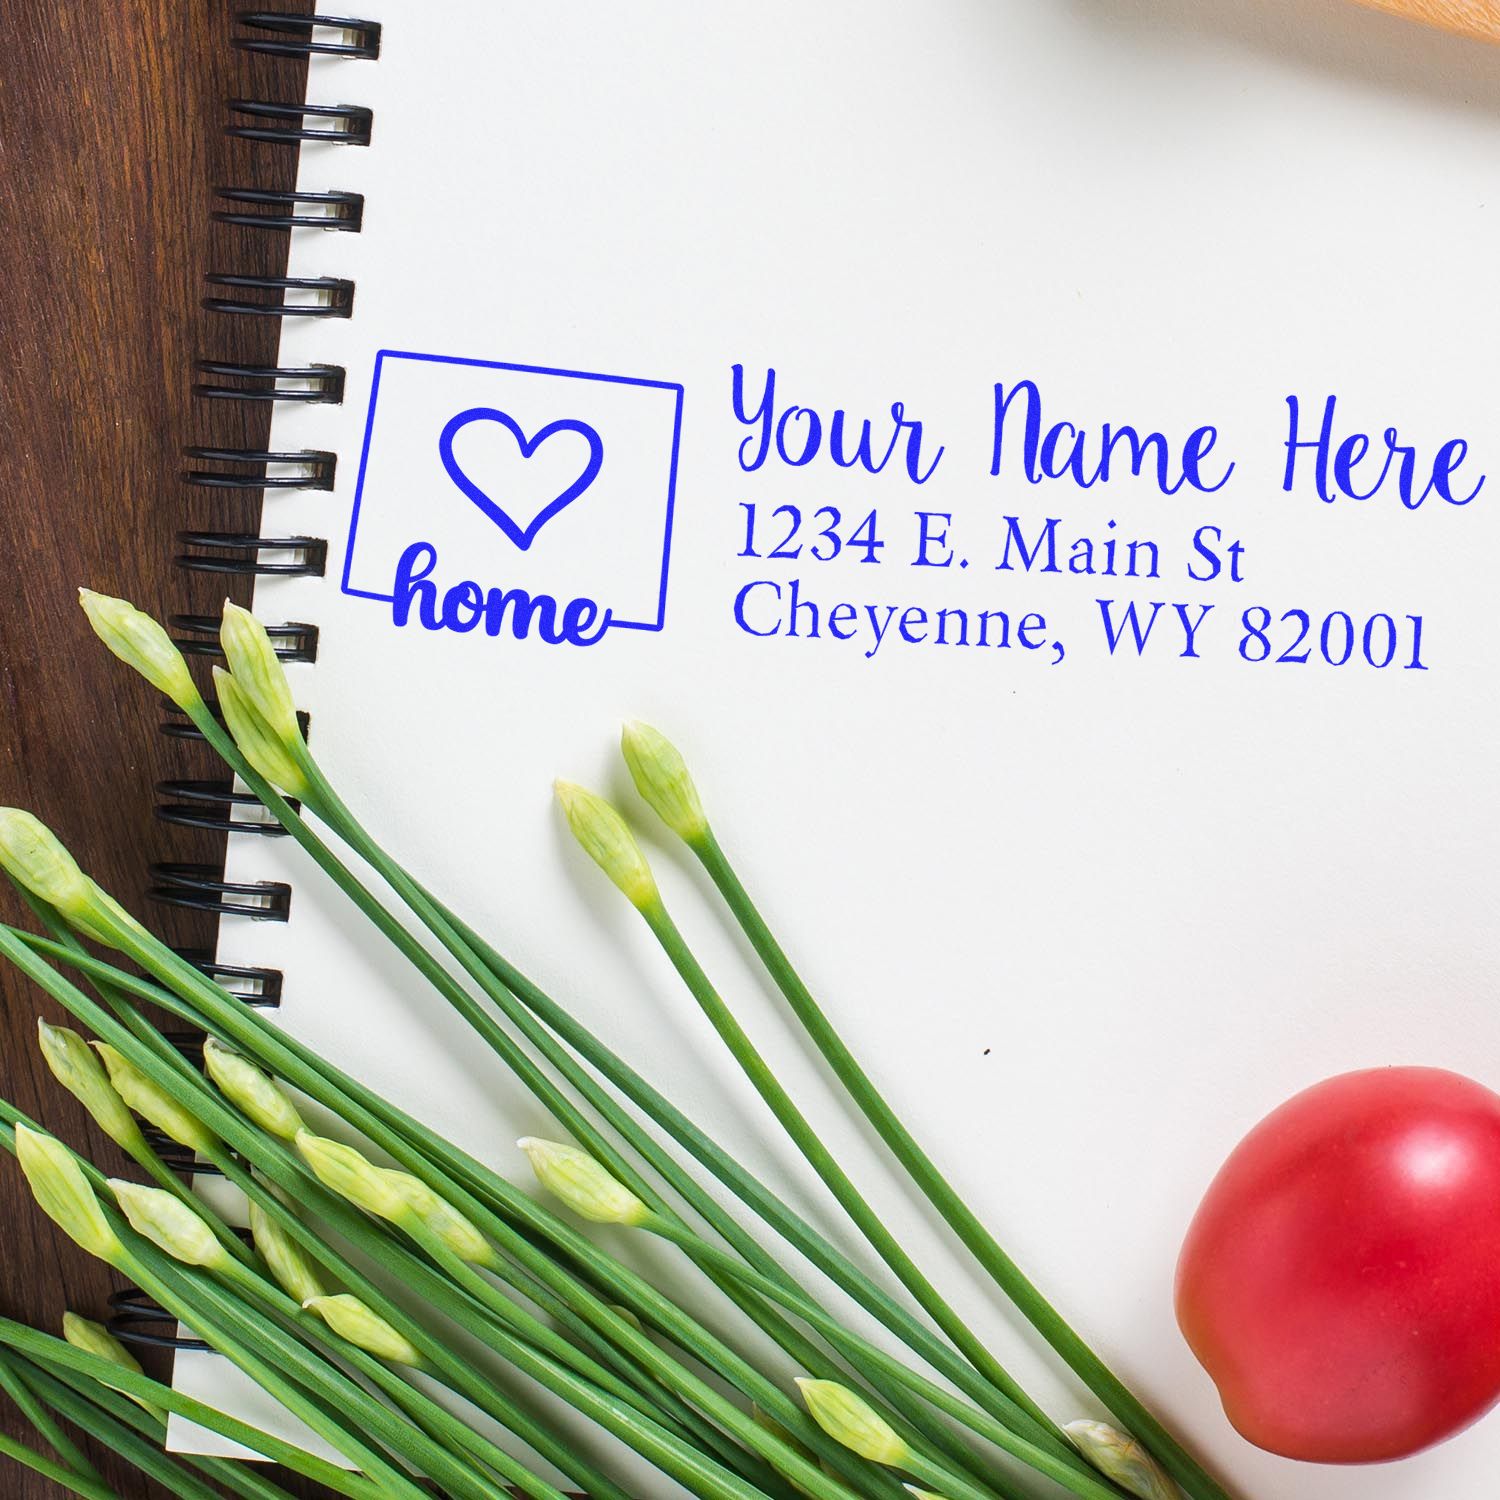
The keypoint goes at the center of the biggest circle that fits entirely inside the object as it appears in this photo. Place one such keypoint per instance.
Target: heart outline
(522, 536)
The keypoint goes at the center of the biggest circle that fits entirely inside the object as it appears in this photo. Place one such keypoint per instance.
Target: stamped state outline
(381, 355)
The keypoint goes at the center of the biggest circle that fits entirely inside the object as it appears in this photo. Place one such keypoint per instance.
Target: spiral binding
(214, 804)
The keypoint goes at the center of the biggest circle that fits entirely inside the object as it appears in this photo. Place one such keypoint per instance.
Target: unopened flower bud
(1120, 1457)
(608, 842)
(287, 1261)
(258, 671)
(75, 1066)
(267, 754)
(442, 1220)
(662, 778)
(582, 1184)
(849, 1419)
(35, 856)
(95, 1338)
(64, 1194)
(170, 1225)
(142, 643)
(351, 1319)
(345, 1171)
(253, 1092)
(154, 1104)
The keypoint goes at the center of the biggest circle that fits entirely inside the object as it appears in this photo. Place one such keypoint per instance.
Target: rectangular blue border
(381, 355)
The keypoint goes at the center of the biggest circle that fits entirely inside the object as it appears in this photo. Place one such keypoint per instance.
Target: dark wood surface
(111, 140)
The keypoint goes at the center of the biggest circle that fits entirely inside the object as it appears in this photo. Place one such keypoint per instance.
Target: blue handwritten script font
(829, 504)
(465, 605)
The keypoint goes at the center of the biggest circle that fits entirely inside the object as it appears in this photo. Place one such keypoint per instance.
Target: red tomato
(1341, 1279)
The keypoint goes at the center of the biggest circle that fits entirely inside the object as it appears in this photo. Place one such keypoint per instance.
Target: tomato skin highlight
(1341, 1279)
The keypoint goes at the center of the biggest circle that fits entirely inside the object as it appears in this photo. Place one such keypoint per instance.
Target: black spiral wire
(214, 805)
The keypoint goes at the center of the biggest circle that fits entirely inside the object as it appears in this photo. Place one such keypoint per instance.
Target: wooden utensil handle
(1478, 18)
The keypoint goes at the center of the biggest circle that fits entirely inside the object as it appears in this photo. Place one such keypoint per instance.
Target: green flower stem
(407, 1141)
(177, 1478)
(822, 1160)
(142, 1155)
(775, 1451)
(654, 1442)
(410, 1271)
(761, 1200)
(439, 1424)
(326, 803)
(448, 1367)
(941, 1480)
(93, 1408)
(768, 1396)
(513, 986)
(1077, 1476)
(443, 926)
(159, 1277)
(1080, 1358)
(322, 1396)
(329, 1402)
(575, 1122)
(59, 1474)
(171, 1071)
(61, 1357)
(16, 1386)
(515, 1322)
(650, 1346)
(578, 1125)
(354, 1226)
(308, 1386)
(674, 1457)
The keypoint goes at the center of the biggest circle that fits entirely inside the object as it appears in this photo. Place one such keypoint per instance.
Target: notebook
(1038, 462)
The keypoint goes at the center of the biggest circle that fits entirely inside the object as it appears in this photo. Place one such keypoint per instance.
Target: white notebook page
(1086, 915)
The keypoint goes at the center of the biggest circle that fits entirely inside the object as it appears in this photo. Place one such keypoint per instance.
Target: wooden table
(111, 141)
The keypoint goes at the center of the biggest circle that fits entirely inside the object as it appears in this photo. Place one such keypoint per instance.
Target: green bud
(608, 842)
(287, 1261)
(253, 1092)
(1121, 1458)
(75, 1066)
(63, 1193)
(95, 1338)
(140, 642)
(662, 778)
(582, 1184)
(442, 1219)
(849, 1419)
(344, 1171)
(364, 1328)
(154, 1104)
(35, 856)
(170, 1225)
(268, 755)
(258, 672)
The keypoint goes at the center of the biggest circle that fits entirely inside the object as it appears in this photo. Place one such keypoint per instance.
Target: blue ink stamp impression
(514, 500)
